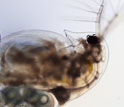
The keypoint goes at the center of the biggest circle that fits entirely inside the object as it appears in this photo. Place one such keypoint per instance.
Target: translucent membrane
(42, 60)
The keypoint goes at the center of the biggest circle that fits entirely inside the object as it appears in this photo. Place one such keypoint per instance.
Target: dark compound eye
(93, 39)
(65, 57)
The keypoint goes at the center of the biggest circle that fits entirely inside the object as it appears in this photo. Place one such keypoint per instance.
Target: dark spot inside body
(74, 70)
(65, 57)
(93, 39)
(51, 58)
(61, 94)
(55, 59)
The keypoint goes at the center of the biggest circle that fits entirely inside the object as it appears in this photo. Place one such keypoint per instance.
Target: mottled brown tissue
(50, 68)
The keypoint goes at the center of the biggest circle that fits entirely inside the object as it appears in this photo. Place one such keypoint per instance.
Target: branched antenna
(81, 20)
(89, 11)
(85, 10)
(99, 18)
(112, 20)
(110, 23)
(65, 30)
